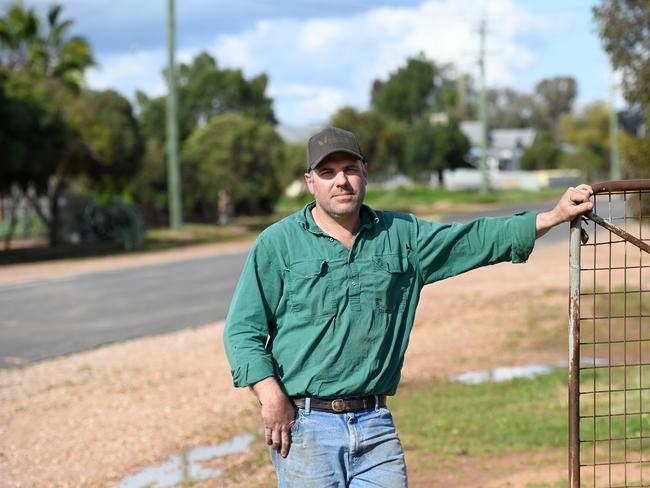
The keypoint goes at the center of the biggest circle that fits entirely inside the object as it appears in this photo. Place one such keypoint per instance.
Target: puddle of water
(185, 467)
(506, 373)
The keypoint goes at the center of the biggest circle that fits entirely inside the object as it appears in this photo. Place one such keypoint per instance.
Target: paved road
(51, 318)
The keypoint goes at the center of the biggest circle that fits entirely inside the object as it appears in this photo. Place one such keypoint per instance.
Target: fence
(609, 339)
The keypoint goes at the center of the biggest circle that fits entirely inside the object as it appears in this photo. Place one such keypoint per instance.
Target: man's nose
(341, 179)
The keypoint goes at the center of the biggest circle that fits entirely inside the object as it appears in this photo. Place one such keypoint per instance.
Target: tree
(414, 90)
(44, 51)
(509, 109)
(434, 148)
(380, 138)
(543, 154)
(56, 135)
(553, 98)
(623, 30)
(233, 157)
(47, 57)
(588, 133)
(404, 105)
(109, 131)
(32, 135)
(205, 91)
(291, 166)
(19, 37)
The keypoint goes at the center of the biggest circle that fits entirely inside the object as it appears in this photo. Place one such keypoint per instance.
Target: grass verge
(513, 416)
(412, 198)
(446, 426)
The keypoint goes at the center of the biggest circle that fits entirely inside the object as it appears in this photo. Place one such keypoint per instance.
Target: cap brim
(348, 151)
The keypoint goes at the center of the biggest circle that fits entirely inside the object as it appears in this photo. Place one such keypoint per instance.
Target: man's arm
(278, 414)
(573, 203)
(247, 328)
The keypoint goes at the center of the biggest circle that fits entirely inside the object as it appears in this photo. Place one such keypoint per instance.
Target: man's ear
(309, 182)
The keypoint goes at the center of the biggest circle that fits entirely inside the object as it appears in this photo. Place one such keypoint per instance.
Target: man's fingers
(277, 440)
(286, 442)
(580, 194)
(585, 188)
(268, 436)
(583, 208)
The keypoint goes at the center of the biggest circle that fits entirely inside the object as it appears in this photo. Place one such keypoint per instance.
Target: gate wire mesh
(609, 387)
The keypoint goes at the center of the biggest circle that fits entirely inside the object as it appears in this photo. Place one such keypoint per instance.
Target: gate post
(574, 354)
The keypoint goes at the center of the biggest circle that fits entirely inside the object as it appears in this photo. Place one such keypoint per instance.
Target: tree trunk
(224, 207)
(56, 188)
(441, 178)
(12, 220)
(55, 217)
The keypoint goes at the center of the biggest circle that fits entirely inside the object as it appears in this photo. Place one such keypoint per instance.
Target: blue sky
(323, 54)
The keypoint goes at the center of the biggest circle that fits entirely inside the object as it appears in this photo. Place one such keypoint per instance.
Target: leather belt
(340, 405)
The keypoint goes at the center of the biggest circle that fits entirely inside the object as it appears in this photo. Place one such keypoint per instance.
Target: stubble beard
(330, 209)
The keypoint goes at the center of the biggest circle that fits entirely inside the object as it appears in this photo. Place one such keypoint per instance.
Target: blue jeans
(337, 450)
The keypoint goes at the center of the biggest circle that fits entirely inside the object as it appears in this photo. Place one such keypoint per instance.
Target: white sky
(323, 54)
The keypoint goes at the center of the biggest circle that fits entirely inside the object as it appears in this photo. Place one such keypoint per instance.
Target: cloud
(305, 104)
(317, 65)
(343, 55)
(130, 71)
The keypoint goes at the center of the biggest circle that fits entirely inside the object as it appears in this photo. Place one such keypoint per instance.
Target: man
(321, 317)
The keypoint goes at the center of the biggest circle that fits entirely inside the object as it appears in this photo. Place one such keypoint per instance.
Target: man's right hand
(278, 414)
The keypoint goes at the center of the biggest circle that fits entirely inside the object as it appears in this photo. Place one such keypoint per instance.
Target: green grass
(409, 199)
(513, 416)
(190, 234)
(404, 199)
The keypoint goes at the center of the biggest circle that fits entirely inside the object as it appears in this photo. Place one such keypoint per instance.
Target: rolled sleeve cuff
(523, 236)
(253, 371)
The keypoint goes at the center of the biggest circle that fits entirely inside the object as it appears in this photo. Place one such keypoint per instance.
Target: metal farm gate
(609, 339)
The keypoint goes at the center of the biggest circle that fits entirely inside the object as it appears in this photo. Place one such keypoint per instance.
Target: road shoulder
(33, 272)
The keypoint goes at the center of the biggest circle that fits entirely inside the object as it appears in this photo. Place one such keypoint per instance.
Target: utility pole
(485, 183)
(614, 163)
(462, 96)
(173, 177)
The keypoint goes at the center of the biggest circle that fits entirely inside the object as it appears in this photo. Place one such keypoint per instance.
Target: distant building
(505, 146)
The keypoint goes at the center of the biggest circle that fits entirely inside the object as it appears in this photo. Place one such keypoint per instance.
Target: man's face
(338, 184)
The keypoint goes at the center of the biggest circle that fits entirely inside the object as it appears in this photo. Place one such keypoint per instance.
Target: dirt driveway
(92, 418)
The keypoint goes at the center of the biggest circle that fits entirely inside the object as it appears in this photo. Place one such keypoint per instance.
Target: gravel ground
(92, 418)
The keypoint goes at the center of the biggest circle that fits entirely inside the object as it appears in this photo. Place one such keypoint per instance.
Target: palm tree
(43, 48)
(18, 37)
(42, 51)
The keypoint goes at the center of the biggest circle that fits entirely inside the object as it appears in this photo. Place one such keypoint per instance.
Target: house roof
(499, 138)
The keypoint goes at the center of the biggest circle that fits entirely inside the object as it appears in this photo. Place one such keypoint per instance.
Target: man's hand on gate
(573, 203)
(278, 414)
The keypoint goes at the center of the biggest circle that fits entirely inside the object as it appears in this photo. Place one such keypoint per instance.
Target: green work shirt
(328, 321)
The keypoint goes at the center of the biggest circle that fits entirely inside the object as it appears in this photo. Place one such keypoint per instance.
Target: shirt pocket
(391, 281)
(310, 289)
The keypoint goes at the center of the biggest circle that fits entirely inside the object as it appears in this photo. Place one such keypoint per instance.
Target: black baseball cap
(328, 141)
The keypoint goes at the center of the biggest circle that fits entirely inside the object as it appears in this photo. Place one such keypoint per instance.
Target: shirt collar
(368, 218)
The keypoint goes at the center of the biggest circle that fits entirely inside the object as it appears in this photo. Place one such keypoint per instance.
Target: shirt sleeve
(251, 311)
(446, 250)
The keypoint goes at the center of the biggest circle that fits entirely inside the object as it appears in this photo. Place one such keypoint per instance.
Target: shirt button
(354, 283)
(331, 239)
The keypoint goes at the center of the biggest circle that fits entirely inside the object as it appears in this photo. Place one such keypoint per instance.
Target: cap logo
(323, 141)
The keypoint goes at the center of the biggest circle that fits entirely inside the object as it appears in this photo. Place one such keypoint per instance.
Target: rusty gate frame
(577, 238)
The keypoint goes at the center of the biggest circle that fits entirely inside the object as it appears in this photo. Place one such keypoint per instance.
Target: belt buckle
(338, 405)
